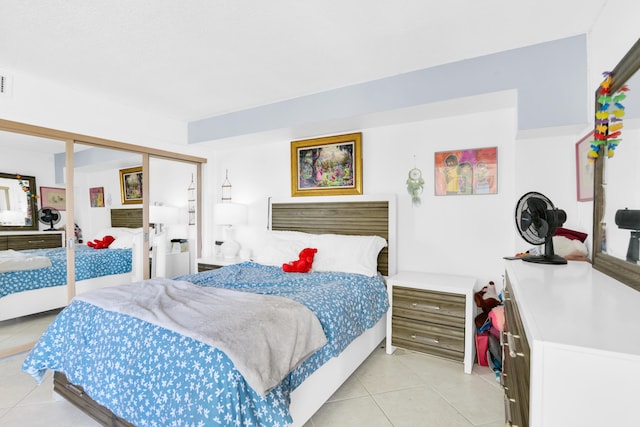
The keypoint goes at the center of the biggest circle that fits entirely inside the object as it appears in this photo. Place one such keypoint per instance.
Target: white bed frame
(320, 386)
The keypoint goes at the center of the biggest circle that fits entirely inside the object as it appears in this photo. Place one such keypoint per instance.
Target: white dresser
(583, 332)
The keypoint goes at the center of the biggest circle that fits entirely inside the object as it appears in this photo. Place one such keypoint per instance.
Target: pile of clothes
(489, 327)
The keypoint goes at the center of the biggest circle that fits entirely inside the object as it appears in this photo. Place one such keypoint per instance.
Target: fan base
(545, 259)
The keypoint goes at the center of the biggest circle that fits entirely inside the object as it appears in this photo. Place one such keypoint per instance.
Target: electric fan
(537, 220)
(49, 216)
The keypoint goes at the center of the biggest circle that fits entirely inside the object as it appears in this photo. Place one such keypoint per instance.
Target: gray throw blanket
(265, 336)
(11, 260)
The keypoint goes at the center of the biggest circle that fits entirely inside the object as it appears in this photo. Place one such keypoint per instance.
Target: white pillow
(123, 240)
(280, 247)
(348, 254)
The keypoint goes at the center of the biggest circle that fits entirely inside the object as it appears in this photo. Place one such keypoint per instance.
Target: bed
(33, 291)
(354, 324)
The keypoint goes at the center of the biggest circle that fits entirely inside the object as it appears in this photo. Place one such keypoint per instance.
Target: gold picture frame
(131, 185)
(328, 166)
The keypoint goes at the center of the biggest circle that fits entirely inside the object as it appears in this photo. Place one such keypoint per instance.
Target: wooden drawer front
(516, 369)
(207, 267)
(79, 398)
(429, 306)
(34, 241)
(434, 339)
(3, 243)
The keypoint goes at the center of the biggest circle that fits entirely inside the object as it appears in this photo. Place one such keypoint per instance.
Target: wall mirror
(615, 235)
(18, 205)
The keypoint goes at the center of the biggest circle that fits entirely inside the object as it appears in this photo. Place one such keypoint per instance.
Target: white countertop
(576, 305)
(434, 281)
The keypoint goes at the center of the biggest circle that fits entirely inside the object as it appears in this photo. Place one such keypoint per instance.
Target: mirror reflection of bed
(21, 313)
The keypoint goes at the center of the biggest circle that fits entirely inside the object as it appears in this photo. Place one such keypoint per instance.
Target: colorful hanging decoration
(24, 184)
(608, 125)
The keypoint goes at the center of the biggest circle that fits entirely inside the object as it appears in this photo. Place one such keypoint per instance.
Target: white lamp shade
(163, 214)
(230, 214)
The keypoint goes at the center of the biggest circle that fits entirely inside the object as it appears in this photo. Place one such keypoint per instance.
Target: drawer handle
(512, 345)
(36, 241)
(425, 306)
(433, 340)
(74, 389)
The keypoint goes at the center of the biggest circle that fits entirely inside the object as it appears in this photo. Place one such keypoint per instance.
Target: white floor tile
(420, 406)
(359, 411)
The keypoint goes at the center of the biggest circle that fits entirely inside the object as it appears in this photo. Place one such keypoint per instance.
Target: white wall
(449, 234)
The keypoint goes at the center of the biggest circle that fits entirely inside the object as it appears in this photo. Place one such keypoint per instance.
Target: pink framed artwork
(96, 196)
(51, 197)
(584, 169)
(466, 172)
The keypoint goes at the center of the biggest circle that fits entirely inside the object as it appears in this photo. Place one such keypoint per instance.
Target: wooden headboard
(356, 218)
(128, 218)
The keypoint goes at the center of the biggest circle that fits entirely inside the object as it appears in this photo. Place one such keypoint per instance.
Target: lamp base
(230, 249)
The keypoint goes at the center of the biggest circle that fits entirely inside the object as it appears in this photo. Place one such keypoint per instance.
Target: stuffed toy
(303, 263)
(486, 298)
(101, 243)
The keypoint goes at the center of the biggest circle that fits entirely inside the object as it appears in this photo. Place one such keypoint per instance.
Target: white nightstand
(213, 263)
(432, 313)
(177, 264)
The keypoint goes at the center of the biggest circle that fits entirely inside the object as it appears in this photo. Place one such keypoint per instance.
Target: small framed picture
(51, 197)
(131, 185)
(96, 196)
(466, 172)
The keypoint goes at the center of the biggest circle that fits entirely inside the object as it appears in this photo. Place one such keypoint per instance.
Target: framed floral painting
(327, 166)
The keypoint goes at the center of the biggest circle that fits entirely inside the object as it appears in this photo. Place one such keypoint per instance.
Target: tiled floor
(403, 390)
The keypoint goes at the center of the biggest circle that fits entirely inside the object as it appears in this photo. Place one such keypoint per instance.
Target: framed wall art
(51, 197)
(584, 169)
(131, 185)
(329, 166)
(96, 196)
(465, 172)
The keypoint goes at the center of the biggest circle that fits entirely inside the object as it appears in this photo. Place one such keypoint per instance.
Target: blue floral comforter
(152, 376)
(90, 263)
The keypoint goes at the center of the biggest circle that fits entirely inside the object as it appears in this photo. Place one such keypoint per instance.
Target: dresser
(433, 314)
(571, 347)
(21, 240)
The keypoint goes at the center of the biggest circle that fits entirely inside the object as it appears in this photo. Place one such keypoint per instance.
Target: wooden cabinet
(31, 240)
(516, 367)
(575, 333)
(433, 314)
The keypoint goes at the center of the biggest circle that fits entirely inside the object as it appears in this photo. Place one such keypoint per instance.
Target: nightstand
(432, 313)
(213, 263)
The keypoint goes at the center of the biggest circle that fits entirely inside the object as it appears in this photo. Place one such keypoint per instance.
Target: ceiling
(194, 59)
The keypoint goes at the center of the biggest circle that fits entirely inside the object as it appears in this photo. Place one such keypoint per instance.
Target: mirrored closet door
(67, 192)
(32, 217)
(108, 214)
(172, 214)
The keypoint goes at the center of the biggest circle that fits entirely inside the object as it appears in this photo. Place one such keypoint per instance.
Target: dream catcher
(415, 185)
